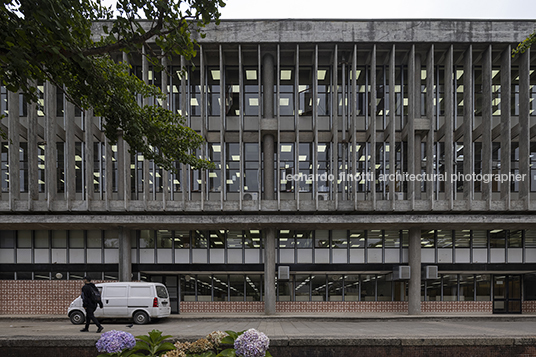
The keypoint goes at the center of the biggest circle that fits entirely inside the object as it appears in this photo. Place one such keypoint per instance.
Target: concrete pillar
(125, 258)
(269, 184)
(269, 272)
(414, 289)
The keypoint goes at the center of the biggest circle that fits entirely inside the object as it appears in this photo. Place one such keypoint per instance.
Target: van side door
(114, 299)
(140, 297)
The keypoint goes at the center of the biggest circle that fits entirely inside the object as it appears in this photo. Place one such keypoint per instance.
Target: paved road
(287, 327)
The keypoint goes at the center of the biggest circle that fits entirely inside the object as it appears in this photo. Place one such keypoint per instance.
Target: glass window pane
(444, 239)
(405, 238)
(530, 238)
(483, 287)
(480, 239)
(433, 290)
(428, 239)
(111, 239)
(339, 238)
(234, 239)
(529, 285)
(401, 291)
(76, 239)
(221, 286)
(357, 239)
(463, 238)
(24, 239)
(254, 287)
(384, 288)
(199, 239)
(217, 239)
(41, 239)
(392, 239)
(164, 238)
(7, 239)
(187, 283)
(302, 287)
(351, 287)
(497, 238)
(252, 239)
(322, 239)
(374, 238)
(467, 287)
(318, 287)
(450, 287)
(515, 238)
(182, 239)
(286, 239)
(204, 288)
(147, 239)
(368, 287)
(236, 282)
(94, 239)
(304, 239)
(59, 239)
(285, 289)
(335, 287)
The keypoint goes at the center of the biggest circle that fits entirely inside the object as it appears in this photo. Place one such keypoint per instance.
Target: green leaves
(153, 344)
(54, 40)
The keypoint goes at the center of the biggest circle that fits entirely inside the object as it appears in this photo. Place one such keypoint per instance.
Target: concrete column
(414, 289)
(268, 139)
(269, 272)
(269, 184)
(125, 258)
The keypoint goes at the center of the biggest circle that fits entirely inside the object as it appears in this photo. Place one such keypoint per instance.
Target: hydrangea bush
(252, 343)
(114, 343)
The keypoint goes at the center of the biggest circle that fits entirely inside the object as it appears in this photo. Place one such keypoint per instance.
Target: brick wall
(529, 306)
(46, 297)
(38, 297)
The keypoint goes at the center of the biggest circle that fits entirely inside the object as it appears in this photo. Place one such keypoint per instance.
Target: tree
(525, 45)
(55, 40)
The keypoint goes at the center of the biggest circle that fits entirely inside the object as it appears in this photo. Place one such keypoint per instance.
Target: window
(286, 166)
(467, 287)
(462, 238)
(182, 239)
(286, 88)
(444, 239)
(251, 92)
(233, 167)
(164, 238)
(251, 172)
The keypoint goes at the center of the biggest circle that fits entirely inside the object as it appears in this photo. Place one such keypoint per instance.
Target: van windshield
(161, 292)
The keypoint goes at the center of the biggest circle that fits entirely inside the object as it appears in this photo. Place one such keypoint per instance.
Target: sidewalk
(301, 335)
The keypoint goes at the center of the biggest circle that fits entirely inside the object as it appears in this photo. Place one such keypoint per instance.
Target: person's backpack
(96, 295)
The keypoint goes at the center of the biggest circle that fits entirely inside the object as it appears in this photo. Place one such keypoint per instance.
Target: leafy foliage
(525, 45)
(153, 344)
(73, 43)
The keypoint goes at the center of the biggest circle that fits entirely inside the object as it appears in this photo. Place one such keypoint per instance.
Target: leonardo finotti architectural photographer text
(404, 176)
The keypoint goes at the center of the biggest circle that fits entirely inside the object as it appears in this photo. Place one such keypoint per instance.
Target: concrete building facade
(378, 166)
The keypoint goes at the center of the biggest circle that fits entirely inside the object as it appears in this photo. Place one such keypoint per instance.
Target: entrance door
(507, 294)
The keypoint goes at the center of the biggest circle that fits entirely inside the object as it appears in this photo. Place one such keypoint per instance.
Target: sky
(379, 9)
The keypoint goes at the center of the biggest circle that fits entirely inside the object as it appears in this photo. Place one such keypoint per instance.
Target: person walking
(90, 304)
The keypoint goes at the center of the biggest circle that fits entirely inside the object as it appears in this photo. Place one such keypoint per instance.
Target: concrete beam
(246, 221)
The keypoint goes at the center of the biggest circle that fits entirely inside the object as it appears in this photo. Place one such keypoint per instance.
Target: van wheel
(140, 318)
(77, 317)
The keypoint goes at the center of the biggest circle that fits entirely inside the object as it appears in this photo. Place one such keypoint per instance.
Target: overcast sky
(378, 9)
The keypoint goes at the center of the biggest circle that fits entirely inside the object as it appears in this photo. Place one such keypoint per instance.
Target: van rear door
(114, 299)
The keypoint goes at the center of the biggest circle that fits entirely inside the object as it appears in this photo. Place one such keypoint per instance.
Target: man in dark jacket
(90, 304)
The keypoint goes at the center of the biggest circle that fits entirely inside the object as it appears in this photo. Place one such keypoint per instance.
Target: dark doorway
(507, 294)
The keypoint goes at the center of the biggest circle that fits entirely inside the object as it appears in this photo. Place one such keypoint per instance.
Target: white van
(139, 301)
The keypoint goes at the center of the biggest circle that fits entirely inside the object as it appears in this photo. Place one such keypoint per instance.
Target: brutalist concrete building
(378, 166)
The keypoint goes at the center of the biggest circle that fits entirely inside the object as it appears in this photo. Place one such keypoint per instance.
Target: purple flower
(251, 343)
(115, 341)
